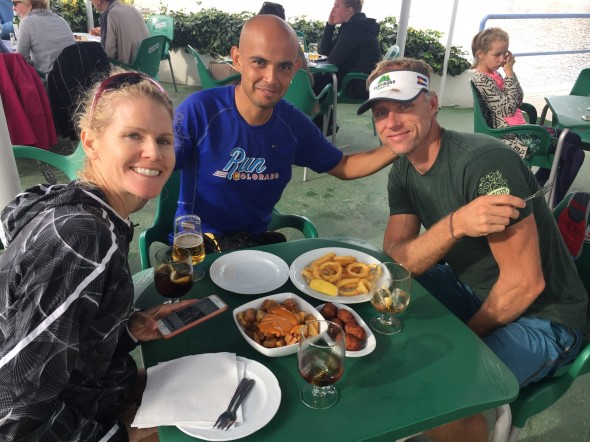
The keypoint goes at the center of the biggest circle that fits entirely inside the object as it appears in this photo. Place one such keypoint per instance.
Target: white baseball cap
(400, 86)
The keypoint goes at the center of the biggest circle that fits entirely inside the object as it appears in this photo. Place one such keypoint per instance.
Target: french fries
(351, 277)
(276, 325)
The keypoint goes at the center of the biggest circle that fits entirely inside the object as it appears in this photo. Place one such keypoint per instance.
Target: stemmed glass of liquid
(390, 294)
(188, 235)
(320, 359)
(173, 275)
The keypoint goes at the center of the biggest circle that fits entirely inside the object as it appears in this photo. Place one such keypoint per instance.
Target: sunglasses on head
(119, 81)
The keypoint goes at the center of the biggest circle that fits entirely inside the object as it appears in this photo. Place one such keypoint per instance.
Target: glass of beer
(188, 235)
(313, 52)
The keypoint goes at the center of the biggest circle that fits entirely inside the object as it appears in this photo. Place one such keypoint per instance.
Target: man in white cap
(508, 273)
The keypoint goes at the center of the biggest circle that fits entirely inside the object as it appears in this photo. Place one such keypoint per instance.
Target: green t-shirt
(471, 165)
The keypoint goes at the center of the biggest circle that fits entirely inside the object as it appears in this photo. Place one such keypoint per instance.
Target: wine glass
(188, 235)
(390, 294)
(320, 359)
(173, 275)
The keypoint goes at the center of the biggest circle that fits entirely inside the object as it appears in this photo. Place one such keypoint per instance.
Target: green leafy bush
(214, 32)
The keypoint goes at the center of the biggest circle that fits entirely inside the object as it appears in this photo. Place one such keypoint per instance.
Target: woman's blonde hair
(482, 41)
(96, 107)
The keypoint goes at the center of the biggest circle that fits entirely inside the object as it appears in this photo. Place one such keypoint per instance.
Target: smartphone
(586, 117)
(191, 315)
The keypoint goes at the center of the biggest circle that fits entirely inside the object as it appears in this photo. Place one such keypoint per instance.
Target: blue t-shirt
(6, 17)
(232, 173)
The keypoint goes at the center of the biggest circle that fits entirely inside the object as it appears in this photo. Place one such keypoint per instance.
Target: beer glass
(188, 235)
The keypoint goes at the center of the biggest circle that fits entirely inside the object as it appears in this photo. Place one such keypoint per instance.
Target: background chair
(166, 209)
(74, 71)
(69, 165)
(148, 57)
(301, 95)
(158, 24)
(207, 81)
(539, 396)
(543, 158)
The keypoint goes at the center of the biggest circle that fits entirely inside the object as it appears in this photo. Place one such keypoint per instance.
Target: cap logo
(383, 82)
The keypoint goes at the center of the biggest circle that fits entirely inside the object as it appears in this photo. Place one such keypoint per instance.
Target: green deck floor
(359, 209)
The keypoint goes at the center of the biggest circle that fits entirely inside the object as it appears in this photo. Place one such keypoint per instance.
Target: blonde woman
(66, 294)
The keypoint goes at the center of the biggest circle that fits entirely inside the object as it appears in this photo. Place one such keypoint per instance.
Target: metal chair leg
(172, 72)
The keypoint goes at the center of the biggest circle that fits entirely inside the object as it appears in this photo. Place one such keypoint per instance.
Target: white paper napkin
(190, 391)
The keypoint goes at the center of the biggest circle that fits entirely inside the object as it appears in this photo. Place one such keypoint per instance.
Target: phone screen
(189, 314)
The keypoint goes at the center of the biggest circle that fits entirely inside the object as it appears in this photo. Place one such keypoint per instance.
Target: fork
(541, 191)
(225, 417)
(232, 412)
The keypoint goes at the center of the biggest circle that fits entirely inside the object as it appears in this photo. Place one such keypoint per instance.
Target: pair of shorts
(531, 347)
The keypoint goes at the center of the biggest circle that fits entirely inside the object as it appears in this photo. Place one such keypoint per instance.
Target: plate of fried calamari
(360, 340)
(334, 274)
(274, 324)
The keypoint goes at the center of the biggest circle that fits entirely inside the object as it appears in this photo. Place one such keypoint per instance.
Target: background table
(567, 114)
(435, 371)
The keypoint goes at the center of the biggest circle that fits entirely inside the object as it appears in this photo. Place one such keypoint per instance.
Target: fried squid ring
(358, 269)
(331, 271)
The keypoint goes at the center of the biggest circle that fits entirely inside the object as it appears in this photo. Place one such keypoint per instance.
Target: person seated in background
(508, 273)
(42, 35)
(278, 10)
(6, 17)
(354, 49)
(66, 293)
(121, 30)
(503, 96)
(236, 145)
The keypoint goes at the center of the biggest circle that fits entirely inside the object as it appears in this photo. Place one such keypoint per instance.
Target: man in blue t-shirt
(508, 273)
(236, 145)
(6, 17)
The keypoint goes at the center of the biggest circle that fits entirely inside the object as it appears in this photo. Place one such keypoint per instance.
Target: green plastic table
(435, 371)
(567, 113)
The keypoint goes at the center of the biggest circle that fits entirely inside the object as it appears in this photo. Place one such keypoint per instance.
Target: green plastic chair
(342, 97)
(148, 57)
(539, 396)
(166, 209)
(207, 81)
(301, 95)
(158, 24)
(68, 164)
(544, 158)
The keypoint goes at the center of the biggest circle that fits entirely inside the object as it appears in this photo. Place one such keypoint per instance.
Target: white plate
(249, 272)
(370, 342)
(258, 409)
(280, 351)
(307, 258)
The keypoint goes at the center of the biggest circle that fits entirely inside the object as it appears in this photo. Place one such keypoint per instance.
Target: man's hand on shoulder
(485, 215)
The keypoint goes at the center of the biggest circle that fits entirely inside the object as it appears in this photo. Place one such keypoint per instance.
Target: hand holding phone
(191, 315)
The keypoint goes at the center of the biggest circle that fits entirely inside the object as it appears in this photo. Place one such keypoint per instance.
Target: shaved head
(268, 58)
(268, 27)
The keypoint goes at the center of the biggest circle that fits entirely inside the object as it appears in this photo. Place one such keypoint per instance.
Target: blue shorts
(532, 348)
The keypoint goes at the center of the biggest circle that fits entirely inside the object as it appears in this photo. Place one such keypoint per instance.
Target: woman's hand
(143, 324)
